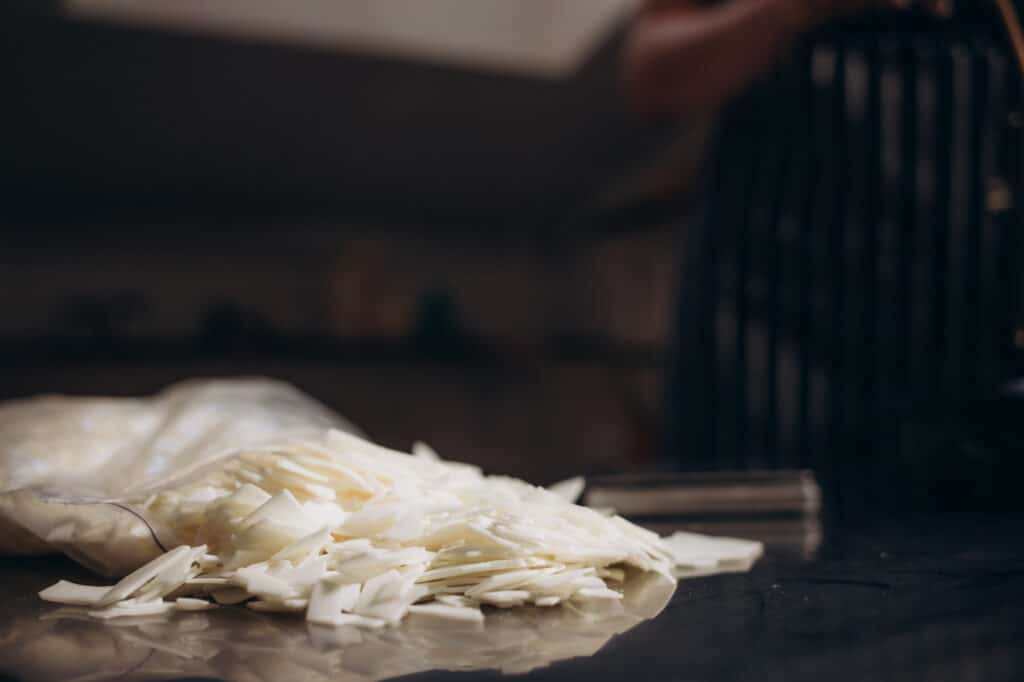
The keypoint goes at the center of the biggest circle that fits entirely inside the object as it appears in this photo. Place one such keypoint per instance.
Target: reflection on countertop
(935, 598)
(46, 643)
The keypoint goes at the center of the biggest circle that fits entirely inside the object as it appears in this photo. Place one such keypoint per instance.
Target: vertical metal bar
(792, 392)
(827, 75)
(804, 217)
(891, 173)
(689, 379)
(888, 322)
(935, 350)
(854, 258)
(867, 413)
(921, 370)
(814, 236)
(908, 216)
(958, 238)
(852, 290)
(743, 235)
(769, 120)
(994, 207)
(837, 279)
(979, 126)
(742, 162)
(734, 169)
(775, 240)
(707, 330)
(1011, 285)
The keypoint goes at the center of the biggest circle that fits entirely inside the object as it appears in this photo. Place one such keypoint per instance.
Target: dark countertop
(926, 600)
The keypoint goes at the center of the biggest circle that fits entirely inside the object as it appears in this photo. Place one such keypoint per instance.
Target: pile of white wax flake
(351, 533)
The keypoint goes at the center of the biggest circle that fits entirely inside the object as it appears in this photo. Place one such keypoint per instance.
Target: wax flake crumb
(232, 595)
(505, 598)
(448, 612)
(130, 607)
(73, 594)
(355, 534)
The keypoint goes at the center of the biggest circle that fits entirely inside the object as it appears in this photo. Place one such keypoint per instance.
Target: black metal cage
(855, 260)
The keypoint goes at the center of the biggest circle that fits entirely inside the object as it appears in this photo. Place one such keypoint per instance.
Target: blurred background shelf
(539, 357)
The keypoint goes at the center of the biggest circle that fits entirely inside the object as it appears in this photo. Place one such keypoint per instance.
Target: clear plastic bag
(73, 469)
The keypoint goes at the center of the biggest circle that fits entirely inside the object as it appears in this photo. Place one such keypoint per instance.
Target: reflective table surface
(924, 600)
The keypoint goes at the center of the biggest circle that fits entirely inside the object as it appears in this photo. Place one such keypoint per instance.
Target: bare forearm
(685, 56)
(682, 57)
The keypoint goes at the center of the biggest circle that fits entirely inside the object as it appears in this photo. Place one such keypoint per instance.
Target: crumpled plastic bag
(72, 470)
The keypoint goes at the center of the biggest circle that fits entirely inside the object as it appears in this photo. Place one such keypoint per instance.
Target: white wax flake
(350, 548)
(305, 547)
(292, 467)
(266, 538)
(208, 561)
(380, 588)
(248, 496)
(257, 580)
(319, 492)
(562, 584)
(251, 476)
(355, 534)
(597, 593)
(301, 577)
(448, 612)
(326, 514)
(505, 581)
(132, 608)
(569, 489)
(231, 595)
(616, 574)
(469, 532)
(388, 596)
(482, 568)
(73, 594)
(210, 582)
(173, 575)
(292, 605)
(424, 451)
(343, 619)
(362, 567)
(702, 551)
(282, 509)
(505, 598)
(175, 560)
(455, 600)
(329, 600)
(344, 478)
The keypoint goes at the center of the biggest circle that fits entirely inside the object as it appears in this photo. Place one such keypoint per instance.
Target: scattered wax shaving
(569, 489)
(449, 612)
(65, 592)
(191, 604)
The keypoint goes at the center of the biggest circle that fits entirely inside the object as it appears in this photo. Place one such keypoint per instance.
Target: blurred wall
(533, 356)
(443, 253)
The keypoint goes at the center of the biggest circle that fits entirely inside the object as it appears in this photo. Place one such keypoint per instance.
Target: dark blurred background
(429, 243)
(457, 231)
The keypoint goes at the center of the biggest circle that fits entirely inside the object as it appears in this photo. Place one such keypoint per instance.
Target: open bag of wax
(74, 472)
(246, 491)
